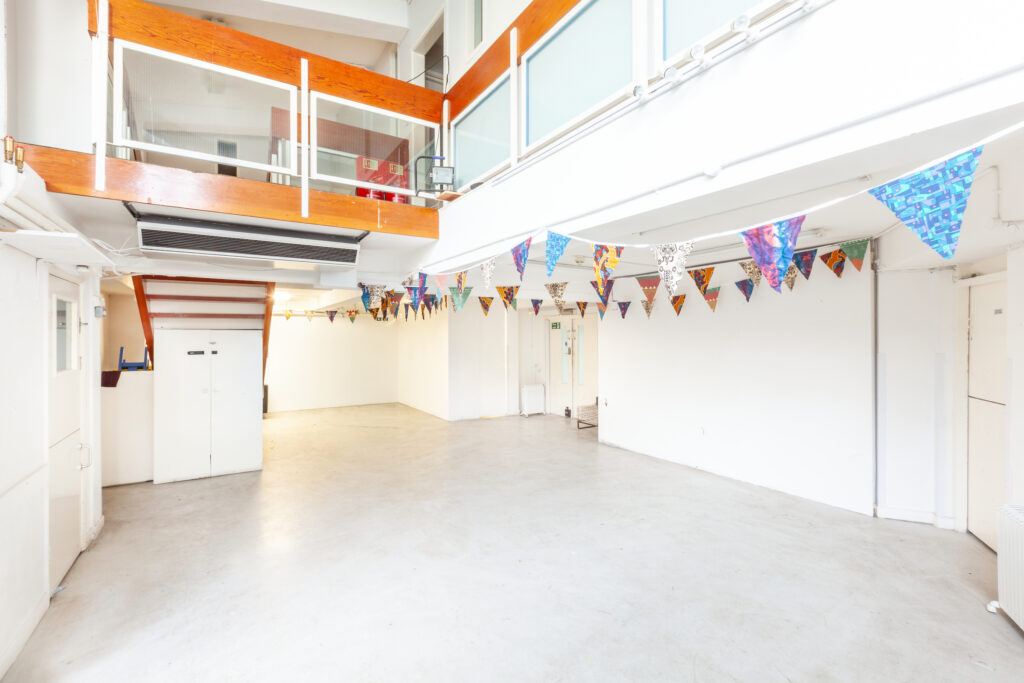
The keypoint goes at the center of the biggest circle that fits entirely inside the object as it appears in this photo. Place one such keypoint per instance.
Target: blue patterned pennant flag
(747, 287)
(932, 202)
(553, 250)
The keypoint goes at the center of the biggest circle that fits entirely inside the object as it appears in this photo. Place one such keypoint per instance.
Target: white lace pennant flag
(672, 263)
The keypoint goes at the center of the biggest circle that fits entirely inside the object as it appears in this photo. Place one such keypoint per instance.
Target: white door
(560, 367)
(64, 432)
(986, 428)
(181, 405)
(236, 363)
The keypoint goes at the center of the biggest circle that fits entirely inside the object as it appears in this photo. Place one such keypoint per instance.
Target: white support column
(304, 116)
(641, 43)
(100, 47)
(445, 149)
(513, 82)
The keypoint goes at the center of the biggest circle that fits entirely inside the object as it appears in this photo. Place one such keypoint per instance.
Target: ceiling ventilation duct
(202, 238)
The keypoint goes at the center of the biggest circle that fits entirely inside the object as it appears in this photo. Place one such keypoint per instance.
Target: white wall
(50, 54)
(127, 413)
(423, 363)
(477, 359)
(1015, 376)
(776, 392)
(23, 474)
(917, 322)
(319, 364)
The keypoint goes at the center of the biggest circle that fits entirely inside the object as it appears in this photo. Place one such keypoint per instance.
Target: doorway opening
(572, 368)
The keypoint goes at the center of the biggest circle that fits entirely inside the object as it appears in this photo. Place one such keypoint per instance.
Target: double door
(208, 403)
(573, 363)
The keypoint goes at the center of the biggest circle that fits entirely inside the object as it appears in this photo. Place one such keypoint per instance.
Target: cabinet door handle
(83, 446)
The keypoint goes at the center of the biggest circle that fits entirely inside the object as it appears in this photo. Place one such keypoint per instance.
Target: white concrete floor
(381, 544)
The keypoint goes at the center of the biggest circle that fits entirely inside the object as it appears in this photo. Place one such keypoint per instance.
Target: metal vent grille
(166, 240)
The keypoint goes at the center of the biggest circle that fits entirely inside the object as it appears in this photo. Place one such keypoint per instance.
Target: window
(64, 346)
(481, 135)
(478, 22)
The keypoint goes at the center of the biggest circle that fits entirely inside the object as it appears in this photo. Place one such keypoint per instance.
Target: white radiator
(531, 398)
(1011, 562)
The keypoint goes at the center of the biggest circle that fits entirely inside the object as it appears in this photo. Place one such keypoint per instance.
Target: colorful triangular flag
(601, 308)
(606, 258)
(711, 297)
(855, 252)
(536, 305)
(702, 278)
(487, 271)
(460, 281)
(582, 305)
(459, 300)
(671, 260)
(603, 293)
(406, 312)
(677, 303)
(508, 295)
(790, 278)
(520, 253)
(352, 313)
(835, 260)
(553, 250)
(365, 298)
(441, 281)
(771, 246)
(374, 312)
(415, 296)
(557, 291)
(623, 307)
(747, 287)
(287, 314)
(330, 315)
(804, 262)
(752, 271)
(649, 285)
(932, 202)
(485, 303)
(648, 306)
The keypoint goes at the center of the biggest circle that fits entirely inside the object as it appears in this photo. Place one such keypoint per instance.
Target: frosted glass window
(481, 137)
(687, 21)
(64, 348)
(587, 61)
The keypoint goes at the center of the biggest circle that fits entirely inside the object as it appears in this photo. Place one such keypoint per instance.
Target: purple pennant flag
(536, 305)
(804, 261)
(771, 247)
(553, 250)
(623, 307)
(331, 314)
(932, 202)
(520, 252)
(747, 287)
(415, 296)
(603, 293)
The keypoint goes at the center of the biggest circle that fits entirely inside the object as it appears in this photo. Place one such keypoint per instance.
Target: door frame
(960, 402)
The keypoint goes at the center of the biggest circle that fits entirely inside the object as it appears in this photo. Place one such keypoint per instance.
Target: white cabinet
(207, 403)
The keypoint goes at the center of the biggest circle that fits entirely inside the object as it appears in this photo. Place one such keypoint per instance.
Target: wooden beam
(146, 24)
(93, 10)
(71, 172)
(268, 312)
(226, 299)
(539, 17)
(226, 316)
(204, 280)
(147, 323)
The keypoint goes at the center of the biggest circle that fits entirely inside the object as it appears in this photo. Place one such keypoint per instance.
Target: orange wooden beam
(538, 18)
(71, 172)
(147, 322)
(226, 316)
(146, 24)
(268, 312)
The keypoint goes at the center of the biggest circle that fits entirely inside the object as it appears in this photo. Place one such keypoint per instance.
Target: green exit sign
(556, 325)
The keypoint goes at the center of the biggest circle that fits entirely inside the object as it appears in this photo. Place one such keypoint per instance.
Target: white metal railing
(646, 45)
(142, 118)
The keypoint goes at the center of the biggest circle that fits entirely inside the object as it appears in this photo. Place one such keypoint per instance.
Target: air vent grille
(220, 245)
